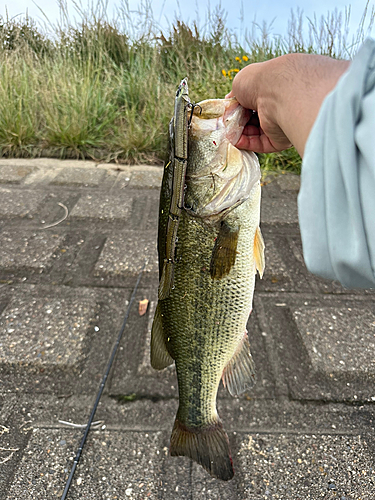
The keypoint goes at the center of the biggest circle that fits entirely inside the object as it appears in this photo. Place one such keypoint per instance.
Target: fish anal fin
(239, 374)
(160, 357)
(259, 252)
(224, 252)
(208, 446)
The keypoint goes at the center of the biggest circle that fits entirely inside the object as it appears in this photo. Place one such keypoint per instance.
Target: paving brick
(146, 178)
(14, 433)
(18, 202)
(44, 331)
(284, 272)
(118, 256)
(275, 266)
(7, 404)
(28, 249)
(13, 174)
(87, 177)
(176, 479)
(323, 285)
(338, 340)
(103, 206)
(207, 487)
(305, 466)
(306, 348)
(265, 383)
(289, 182)
(113, 465)
(276, 275)
(279, 211)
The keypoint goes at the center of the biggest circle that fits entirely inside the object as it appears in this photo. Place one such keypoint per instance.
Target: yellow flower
(237, 59)
(224, 73)
(233, 70)
(245, 58)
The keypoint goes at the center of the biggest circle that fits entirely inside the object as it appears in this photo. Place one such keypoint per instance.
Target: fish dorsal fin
(224, 252)
(239, 374)
(160, 357)
(259, 252)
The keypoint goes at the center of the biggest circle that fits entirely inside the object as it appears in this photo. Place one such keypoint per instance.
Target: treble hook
(192, 105)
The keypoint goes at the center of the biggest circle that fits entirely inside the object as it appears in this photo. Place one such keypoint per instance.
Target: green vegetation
(104, 89)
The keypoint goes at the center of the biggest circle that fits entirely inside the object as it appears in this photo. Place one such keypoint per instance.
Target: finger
(257, 143)
(231, 94)
(244, 86)
(252, 130)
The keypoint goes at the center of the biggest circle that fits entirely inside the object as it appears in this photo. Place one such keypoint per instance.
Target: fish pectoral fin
(160, 357)
(259, 252)
(224, 252)
(208, 446)
(239, 374)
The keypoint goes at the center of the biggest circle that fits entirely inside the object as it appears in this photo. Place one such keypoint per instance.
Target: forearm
(336, 200)
(302, 89)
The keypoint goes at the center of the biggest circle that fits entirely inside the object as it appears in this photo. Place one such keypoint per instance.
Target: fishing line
(104, 379)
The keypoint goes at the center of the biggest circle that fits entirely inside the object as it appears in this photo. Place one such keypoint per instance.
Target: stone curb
(53, 163)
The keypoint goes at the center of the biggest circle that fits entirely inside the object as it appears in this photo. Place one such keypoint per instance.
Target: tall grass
(102, 88)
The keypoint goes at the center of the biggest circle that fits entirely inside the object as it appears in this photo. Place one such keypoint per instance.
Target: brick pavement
(304, 432)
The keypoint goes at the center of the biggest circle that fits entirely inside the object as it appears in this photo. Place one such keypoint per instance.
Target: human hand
(262, 134)
(286, 94)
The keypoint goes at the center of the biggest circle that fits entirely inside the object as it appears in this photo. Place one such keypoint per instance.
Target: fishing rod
(104, 379)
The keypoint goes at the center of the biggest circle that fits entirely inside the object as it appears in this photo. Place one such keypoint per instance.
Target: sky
(275, 13)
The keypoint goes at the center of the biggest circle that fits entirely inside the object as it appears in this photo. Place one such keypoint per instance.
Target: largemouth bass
(200, 320)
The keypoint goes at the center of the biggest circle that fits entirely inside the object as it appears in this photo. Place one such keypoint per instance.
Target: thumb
(245, 85)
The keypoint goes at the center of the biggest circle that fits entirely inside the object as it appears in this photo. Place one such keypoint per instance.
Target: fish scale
(213, 321)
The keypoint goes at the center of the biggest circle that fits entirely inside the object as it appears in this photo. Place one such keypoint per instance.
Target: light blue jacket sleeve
(336, 203)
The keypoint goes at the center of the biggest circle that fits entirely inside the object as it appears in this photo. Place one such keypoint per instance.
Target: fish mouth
(235, 119)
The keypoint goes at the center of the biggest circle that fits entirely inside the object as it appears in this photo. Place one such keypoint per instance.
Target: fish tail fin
(208, 446)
